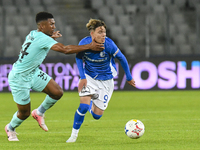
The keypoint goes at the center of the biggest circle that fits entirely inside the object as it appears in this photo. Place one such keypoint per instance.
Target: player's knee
(58, 94)
(95, 116)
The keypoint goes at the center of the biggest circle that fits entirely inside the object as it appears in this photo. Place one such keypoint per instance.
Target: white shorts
(101, 91)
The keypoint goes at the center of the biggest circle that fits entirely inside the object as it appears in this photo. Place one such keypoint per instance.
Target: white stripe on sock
(80, 113)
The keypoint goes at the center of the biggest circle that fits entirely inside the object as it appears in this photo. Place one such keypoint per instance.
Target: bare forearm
(71, 49)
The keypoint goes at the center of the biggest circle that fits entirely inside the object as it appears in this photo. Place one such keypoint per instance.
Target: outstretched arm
(71, 49)
(83, 80)
(125, 66)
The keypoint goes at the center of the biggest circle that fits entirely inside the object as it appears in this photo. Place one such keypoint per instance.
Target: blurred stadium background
(141, 28)
(160, 38)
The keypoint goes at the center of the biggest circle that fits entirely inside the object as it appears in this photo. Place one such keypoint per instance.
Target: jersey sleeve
(80, 54)
(79, 63)
(124, 63)
(82, 42)
(79, 60)
(47, 42)
(116, 53)
(112, 47)
(86, 40)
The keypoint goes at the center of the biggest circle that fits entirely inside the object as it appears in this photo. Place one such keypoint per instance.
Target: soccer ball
(134, 129)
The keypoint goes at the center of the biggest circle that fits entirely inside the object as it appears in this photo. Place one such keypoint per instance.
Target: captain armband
(116, 52)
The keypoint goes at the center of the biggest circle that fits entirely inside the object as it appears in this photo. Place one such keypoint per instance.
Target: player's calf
(95, 116)
(78, 120)
(79, 115)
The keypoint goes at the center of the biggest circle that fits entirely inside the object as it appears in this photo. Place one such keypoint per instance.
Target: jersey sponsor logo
(93, 60)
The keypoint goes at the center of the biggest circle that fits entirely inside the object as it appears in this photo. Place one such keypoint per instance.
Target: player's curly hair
(41, 16)
(94, 23)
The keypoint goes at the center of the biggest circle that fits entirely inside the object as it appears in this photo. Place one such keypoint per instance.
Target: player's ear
(91, 33)
(41, 26)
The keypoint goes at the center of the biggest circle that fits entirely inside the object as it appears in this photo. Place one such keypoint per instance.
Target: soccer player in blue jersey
(96, 83)
(26, 75)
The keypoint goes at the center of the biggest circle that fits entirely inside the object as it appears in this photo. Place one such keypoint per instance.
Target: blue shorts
(21, 84)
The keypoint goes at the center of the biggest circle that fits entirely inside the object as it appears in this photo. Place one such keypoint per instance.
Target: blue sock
(79, 115)
(15, 122)
(46, 104)
(90, 107)
(95, 116)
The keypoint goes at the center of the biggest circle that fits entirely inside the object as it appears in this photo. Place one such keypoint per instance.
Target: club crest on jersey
(102, 54)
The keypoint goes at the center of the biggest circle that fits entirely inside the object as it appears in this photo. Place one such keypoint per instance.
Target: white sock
(39, 113)
(75, 132)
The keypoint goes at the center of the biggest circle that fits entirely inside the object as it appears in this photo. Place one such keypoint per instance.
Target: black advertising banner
(179, 73)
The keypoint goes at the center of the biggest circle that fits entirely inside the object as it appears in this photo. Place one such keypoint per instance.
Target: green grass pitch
(171, 119)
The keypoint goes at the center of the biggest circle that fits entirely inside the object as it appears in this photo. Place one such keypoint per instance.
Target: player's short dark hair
(95, 23)
(42, 16)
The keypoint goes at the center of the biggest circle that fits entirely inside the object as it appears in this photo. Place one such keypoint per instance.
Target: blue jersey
(34, 50)
(101, 65)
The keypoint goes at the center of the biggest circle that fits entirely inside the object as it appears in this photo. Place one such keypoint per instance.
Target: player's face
(99, 34)
(49, 26)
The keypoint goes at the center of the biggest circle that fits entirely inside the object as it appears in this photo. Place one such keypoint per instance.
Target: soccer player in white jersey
(96, 83)
(26, 75)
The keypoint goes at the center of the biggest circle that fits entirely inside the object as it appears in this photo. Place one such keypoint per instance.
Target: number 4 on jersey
(23, 51)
